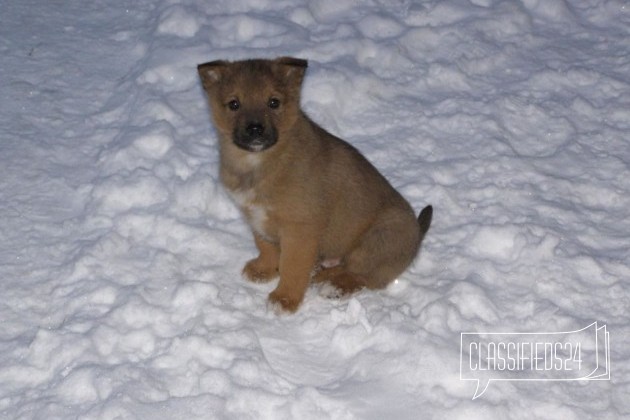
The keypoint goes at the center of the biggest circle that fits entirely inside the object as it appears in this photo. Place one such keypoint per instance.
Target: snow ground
(120, 254)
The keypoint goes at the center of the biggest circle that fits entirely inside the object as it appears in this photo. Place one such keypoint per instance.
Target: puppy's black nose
(255, 130)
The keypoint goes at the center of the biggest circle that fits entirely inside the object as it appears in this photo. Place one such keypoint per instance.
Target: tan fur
(314, 202)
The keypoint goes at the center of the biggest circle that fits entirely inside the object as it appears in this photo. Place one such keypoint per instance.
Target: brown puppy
(315, 204)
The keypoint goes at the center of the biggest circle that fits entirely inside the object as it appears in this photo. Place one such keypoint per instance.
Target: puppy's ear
(292, 68)
(211, 72)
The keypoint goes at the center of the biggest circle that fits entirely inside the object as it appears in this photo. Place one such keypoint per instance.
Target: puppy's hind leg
(385, 250)
(337, 281)
(382, 253)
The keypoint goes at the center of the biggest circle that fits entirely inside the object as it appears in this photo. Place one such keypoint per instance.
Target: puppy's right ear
(211, 72)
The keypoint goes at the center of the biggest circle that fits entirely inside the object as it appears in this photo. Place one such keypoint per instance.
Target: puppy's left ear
(292, 68)
(211, 72)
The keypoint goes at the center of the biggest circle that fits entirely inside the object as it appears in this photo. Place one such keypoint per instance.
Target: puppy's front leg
(265, 267)
(298, 254)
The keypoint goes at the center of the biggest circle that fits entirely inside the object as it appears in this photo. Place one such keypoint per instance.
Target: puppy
(318, 209)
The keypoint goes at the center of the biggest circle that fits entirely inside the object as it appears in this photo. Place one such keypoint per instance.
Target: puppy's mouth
(255, 137)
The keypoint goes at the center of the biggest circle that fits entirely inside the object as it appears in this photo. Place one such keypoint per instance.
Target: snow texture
(120, 253)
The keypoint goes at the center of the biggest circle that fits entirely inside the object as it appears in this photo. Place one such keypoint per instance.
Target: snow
(120, 253)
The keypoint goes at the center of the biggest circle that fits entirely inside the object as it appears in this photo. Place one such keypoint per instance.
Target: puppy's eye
(234, 105)
(274, 103)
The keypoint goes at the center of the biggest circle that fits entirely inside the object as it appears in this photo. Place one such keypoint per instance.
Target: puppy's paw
(282, 303)
(258, 272)
(341, 285)
(328, 291)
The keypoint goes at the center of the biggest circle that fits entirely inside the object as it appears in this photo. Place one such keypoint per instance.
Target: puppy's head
(253, 101)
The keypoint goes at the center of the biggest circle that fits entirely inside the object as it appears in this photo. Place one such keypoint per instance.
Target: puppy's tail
(424, 220)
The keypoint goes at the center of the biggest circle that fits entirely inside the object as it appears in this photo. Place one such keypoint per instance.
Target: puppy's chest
(258, 212)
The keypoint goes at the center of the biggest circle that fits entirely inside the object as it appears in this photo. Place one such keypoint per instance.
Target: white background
(120, 254)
